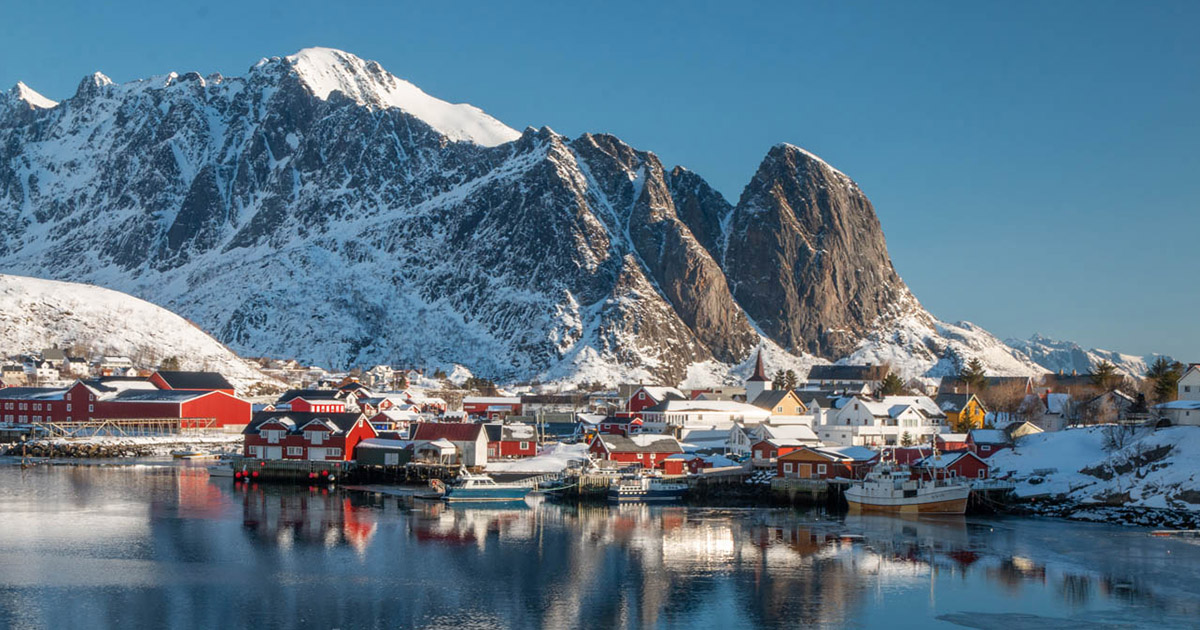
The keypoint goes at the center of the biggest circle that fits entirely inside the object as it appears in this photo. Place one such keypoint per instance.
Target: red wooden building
(492, 407)
(812, 462)
(620, 425)
(314, 400)
(948, 465)
(649, 396)
(126, 398)
(508, 441)
(986, 442)
(648, 450)
(773, 448)
(299, 435)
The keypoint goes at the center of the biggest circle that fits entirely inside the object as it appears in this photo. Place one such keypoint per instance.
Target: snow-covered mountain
(1068, 357)
(324, 209)
(37, 314)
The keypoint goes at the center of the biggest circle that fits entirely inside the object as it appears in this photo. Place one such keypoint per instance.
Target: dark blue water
(164, 546)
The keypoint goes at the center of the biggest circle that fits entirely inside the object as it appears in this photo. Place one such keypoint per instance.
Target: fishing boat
(478, 488)
(891, 488)
(220, 470)
(643, 489)
(192, 453)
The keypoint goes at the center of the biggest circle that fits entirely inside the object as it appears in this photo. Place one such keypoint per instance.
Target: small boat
(193, 454)
(891, 488)
(220, 470)
(641, 489)
(479, 488)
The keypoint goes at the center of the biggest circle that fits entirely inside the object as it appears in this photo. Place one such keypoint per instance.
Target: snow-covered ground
(37, 314)
(1108, 465)
(556, 458)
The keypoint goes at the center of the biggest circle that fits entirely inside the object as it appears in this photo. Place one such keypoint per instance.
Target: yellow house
(780, 403)
(963, 411)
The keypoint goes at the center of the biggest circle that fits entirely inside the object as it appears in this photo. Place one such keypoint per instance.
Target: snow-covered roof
(1174, 404)
(491, 400)
(716, 406)
(942, 460)
(790, 432)
(988, 436)
(1057, 403)
(857, 453)
(662, 393)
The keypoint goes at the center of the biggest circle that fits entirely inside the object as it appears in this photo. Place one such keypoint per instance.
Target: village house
(648, 451)
(619, 425)
(468, 441)
(826, 462)
(890, 421)
(540, 404)
(305, 436)
(987, 442)
(492, 407)
(1188, 387)
(780, 403)
(725, 392)
(316, 401)
(964, 464)
(673, 414)
(955, 385)
(649, 396)
(834, 377)
(963, 411)
(758, 381)
(510, 441)
(605, 402)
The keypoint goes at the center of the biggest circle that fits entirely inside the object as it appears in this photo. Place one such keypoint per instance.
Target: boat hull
(644, 496)
(949, 506)
(485, 495)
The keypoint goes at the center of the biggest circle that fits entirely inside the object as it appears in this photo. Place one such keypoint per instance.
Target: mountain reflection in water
(163, 545)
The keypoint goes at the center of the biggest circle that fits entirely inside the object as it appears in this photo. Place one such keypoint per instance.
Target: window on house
(333, 452)
(91, 407)
(295, 450)
(787, 468)
(821, 469)
(640, 456)
(985, 447)
(524, 445)
(68, 418)
(982, 473)
(68, 406)
(641, 395)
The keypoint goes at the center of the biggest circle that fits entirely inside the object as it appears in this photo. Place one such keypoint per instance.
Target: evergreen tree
(891, 385)
(790, 380)
(973, 375)
(1104, 376)
(906, 439)
(170, 364)
(778, 380)
(1164, 376)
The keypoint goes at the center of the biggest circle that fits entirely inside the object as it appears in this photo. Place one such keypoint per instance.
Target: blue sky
(1034, 164)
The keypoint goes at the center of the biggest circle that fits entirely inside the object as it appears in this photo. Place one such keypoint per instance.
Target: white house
(718, 413)
(862, 421)
(1189, 383)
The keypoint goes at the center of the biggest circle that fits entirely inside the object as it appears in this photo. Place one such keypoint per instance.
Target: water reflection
(163, 546)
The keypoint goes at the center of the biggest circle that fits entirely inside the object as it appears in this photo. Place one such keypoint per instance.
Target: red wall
(225, 408)
(966, 466)
(637, 404)
(512, 448)
(318, 406)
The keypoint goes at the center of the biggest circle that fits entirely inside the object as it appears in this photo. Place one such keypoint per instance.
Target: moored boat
(891, 488)
(193, 454)
(480, 488)
(642, 488)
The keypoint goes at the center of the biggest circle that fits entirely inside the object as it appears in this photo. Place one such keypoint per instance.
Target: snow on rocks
(1108, 467)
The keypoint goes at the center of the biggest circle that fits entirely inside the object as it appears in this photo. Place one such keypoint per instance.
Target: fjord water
(161, 545)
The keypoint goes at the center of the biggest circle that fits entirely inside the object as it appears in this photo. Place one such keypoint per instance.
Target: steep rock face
(806, 256)
(321, 208)
(701, 208)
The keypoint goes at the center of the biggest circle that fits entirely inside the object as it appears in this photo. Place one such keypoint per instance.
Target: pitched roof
(32, 393)
(194, 380)
(952, 402)
(760, 375)
(790, 432)
(847, 373)
(645, 443)
(943, 460)
(988, 436)
(770, 398)
(309, 394)
(662, 394)
(343, 421)
(157, 395)
(453, 431)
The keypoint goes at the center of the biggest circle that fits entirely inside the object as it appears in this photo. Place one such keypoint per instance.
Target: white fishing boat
(478, 488)
(892, 488)
(642, 489)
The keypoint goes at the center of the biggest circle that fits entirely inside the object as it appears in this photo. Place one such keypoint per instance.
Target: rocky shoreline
(1161, 518)
(112, 448)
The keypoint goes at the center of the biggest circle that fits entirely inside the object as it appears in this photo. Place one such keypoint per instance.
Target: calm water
(161, 545)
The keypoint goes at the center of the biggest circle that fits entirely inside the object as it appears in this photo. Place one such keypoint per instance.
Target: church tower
(758, 382)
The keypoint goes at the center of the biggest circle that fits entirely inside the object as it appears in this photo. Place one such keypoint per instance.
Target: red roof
(453, 431)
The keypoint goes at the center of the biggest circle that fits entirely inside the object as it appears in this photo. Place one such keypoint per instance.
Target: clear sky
(1034, 164)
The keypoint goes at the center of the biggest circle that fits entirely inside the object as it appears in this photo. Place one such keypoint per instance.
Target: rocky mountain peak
(92, 85)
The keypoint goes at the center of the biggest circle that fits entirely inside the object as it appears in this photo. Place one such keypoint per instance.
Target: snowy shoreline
(123, 447)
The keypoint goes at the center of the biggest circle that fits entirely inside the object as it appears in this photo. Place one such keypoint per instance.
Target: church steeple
(759, 373)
